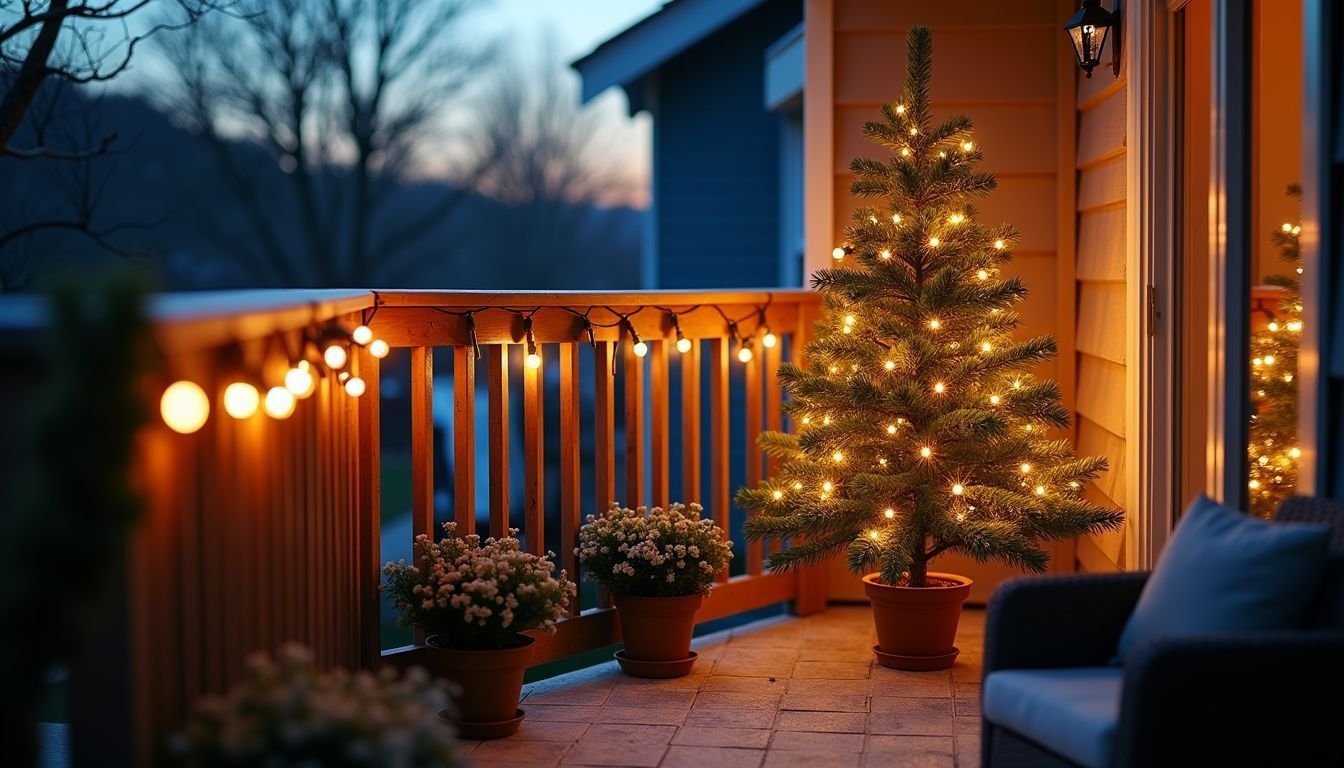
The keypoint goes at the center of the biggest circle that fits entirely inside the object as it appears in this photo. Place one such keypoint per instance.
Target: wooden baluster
(774, 415)
(634, 428)
(534, 460)
(690, 425)
(604, 441)
(464, 439)
(658, 392)
(752, 381)
(497, 390)
(718, 436)
(369, 524)
(571, 484)
(422, 448)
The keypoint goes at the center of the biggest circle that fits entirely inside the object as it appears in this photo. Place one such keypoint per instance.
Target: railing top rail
(669, 298)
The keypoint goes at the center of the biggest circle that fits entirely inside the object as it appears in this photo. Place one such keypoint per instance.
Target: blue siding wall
(717, 155)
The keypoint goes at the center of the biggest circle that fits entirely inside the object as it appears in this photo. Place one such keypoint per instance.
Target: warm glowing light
(826, 421)
(184, 407)
(1273, 327)
(1262, 461)
(999, 245)
(362, 335)
(834, 369)
(926, 452)
(956, 218)
(900, 109)
(1295, 452)
(838, 254)
(1029, 428)
(1026, 468)
(1287, 227)
(849, 319)
(379, 348)
(241, 400)
(769, 340)
(1254, 484)
(1257, 362)
(983, 274)
(905, 151)
(957, 489)
(934, 324)
(300, 381)
(914, 131)
(354, 386)
(641, 349)
(942, 155)
(807, 419)
(1269, 359)
(967, 146)
(895, 218)
(778, 495)
(885, 254)
(995, 399)
(889, 513)
(939, 388)
(797, 486)
(891, 429)
(1074, 484)
(745, 354)
(986, 346)
(279, 403)
(533, 360)
(335, 356)
(872, 535)
(1040, 490)
(1017, 384)
(837, 457)
(847, 329)
(933, 242)
(872, 219)
(890, 365)
(827, 486)
(1294, 325)
(882, 462)
(684, 345)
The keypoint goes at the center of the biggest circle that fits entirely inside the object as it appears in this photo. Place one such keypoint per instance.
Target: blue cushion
(1225, 571)
(1071, 712)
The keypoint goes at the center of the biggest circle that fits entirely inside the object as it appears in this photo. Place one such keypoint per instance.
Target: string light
(889, 513)
(986, 346)
(1273, 327)
(958, 489)
(300, 381)
(1295, 452)
(934, 242)
(826, 421)
(886, 254)
(533, 359)
(983, 274)
(838, 457)
(942, 155)
(1254, 485)
(999, 245)
(241, 400)
(184, 407)
(797, 486)
(925, 452)
(279, 403)
(683, 344)
(967, 146)
(873, 535)
(900, 109)
(905, 151)
(335, 356)
(1040, 490)
(640, 348)
(935, 324)
(1017, 384)
(362, 335)
(995, 399)
(827, 486)
(895, 218)
(354, 386)
(1026, 468)
(379, 348)
(956, 218)
(939, 388)
(882, 462)
(807, 419)
(744, 352)
(1075, 485)
(914, 131)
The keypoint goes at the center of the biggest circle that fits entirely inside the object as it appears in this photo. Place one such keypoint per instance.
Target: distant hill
(172, 211)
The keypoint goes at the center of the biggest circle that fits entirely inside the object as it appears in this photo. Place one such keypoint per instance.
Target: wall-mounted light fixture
(1089, 30)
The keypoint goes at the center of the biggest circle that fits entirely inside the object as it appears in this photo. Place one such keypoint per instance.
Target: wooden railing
(259, 532)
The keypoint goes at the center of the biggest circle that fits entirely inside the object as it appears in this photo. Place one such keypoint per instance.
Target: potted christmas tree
(920, 427)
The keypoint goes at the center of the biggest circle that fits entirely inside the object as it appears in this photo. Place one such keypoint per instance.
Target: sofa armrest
(1247, 698)
(1058, 621)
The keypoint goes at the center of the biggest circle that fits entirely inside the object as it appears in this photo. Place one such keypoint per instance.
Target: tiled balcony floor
(776, 693)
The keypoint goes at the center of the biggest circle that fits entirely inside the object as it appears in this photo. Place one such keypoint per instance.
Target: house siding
(1103, 321)
(717, 158)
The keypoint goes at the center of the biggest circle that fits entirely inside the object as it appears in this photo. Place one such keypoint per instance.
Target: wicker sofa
(1254, 698)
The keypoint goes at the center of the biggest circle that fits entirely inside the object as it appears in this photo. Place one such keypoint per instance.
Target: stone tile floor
(773, 694)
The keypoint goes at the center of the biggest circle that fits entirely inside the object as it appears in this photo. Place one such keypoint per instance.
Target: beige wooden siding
(1102, 320)
(999, 63)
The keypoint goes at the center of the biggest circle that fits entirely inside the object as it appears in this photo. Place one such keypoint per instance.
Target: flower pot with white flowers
(475, 599)
(921, 426)
(658, 565)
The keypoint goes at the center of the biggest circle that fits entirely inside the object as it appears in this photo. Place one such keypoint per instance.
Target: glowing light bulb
(837, 457)
(925, 452)
(838, 253)
(745, 354)
(886, 255)
(849, 319)
(533, 360)
(942, 155)
(1254, 484)
(882, 462)
(999, 245)
(872, 219)
(895, 218)
(872, 535)
(889, 513)
(956, 218)
(1017, 384)
(184, 407)
(890, 365)
(914, 131)
(1287, 227)
(777, 495)
(939, 388)
(279, 403)
(957, 489)
(905, 151)
(684, 345)
(995, 399)
(982, 274)
(769, 340)
(891, 429)
(354, 386)
(834, 369)
(900, 109)
(933, 242)
(797, 486)
(1026, 468)
(1263, 460)
(1269, 359)
(826, 421)
(807, 419)
(1074, 484)
(335, 356)
(828, 486)
(934, 324)
(986, 346)
(641, 349)
(300, 381)
(1273, 327)
(1294, 325)
(847, 329)
(379, 348)
(241, 400)
(1029, 428)
(1257, 362)
(1040, 490)
(362, 335)
(967, 146)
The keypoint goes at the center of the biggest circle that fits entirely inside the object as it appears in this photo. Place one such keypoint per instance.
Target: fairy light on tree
(958, 379)
(1272, 449)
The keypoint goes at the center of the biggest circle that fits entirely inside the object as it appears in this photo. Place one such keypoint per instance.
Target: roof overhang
(630, 56)
(785, 68)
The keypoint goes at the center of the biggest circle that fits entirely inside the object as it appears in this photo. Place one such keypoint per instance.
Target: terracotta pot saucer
(916, 663)
(482, 731)
(655, 669)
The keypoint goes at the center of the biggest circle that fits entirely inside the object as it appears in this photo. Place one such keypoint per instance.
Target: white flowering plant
(286, 712)
(474, 594)
(672, 552)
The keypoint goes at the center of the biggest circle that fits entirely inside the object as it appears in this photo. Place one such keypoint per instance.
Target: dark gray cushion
(1072, 712)
(1225, 571)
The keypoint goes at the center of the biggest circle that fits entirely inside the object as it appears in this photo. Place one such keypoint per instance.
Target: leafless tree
(341, 94)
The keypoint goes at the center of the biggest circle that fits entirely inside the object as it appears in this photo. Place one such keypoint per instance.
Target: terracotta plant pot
(657, 631)
(917, 626)
(491, 684)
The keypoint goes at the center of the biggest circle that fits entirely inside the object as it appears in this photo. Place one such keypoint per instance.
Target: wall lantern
(1088, 30)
